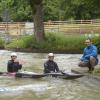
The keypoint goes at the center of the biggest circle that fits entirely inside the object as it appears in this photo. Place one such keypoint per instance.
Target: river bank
(57, 43)
(54, 42)
(30, 50)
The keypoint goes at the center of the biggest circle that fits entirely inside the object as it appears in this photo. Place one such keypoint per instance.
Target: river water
(46, 88)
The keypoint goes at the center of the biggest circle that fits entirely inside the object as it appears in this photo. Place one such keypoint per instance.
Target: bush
(52, 42)
(24, 42)
(97, 42)
(2, 43)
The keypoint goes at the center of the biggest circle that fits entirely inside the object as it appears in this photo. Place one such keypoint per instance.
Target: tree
(51, 10)
(26, 10)
(23, 10)
(80, 9)
(38, 19)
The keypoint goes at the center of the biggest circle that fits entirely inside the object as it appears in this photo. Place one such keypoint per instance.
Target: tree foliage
(20, 10)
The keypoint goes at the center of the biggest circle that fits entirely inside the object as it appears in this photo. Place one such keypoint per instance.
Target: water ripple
(34, 88)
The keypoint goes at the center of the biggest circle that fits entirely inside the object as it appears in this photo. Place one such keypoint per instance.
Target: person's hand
(51, 72)
(16, 60)
(82, 59)
(22, 62)
(62, 71)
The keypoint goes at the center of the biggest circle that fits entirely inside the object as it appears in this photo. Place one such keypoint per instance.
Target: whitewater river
(46, 88)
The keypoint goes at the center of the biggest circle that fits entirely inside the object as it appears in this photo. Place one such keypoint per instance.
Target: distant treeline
(20, 10)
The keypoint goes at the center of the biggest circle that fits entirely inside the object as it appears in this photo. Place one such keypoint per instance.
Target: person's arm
(20, 66)
(9, 66)
(56, 67)
(46, 70)
(93, 53)
(82, 58)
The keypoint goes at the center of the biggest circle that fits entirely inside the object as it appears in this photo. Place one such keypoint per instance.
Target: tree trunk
(38, 19)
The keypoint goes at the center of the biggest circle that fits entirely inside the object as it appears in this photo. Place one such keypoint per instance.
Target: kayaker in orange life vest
(13, 64)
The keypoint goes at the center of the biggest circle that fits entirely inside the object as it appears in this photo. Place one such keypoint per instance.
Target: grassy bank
(2, 43)
(96, 41)
(53, 43)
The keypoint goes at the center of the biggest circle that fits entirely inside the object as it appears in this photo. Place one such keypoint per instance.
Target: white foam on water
(34, 88)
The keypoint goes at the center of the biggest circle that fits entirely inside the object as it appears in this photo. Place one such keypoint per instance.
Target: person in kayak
(90, 56)
(50, 65)
(13, 64)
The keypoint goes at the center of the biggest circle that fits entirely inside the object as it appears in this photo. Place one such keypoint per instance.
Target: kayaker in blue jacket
(50, 65)
(13, 64)
(90, 56)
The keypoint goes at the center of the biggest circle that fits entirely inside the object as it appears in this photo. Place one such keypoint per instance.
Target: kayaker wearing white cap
(50, 65)
(13, 64)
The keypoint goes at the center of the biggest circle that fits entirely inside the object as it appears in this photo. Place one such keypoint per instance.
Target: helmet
(13, 54)
(50, 54)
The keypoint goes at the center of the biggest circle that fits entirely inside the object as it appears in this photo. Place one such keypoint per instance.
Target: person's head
(88, 42)
(13, 56)
(51, 56)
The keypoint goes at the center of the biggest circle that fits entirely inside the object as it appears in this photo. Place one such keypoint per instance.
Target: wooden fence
(71, 26)
(74, 26)
(11, 28)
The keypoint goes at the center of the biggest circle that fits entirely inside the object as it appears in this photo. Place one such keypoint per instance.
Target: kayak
(7, 74)
(59, 75)
(26, 74)
(86, 74)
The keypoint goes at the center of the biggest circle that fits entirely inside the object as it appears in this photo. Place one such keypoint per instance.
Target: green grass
(24, 42)
(53, 42)
(97, 42)
(2, 43)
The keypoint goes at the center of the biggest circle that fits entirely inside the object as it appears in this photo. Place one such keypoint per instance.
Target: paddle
(62, 72)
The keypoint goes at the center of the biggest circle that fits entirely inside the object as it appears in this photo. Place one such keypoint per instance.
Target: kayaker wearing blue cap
(13, 64)
(90, 56)
(50, 65)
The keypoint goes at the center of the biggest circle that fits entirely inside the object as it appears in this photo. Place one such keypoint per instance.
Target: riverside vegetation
(54, 42)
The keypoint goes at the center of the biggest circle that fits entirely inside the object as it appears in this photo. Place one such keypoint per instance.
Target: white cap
(51, 54)
(13, 54)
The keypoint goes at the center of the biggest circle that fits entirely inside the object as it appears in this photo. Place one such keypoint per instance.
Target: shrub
(2, 43)
(54, 42)
(96, 40)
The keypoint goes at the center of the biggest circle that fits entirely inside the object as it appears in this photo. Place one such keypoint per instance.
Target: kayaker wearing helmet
(50, 65)
(13, 64)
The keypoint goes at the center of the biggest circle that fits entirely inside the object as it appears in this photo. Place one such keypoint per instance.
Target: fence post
(92, 27)
(80, 26)
(19, 24)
